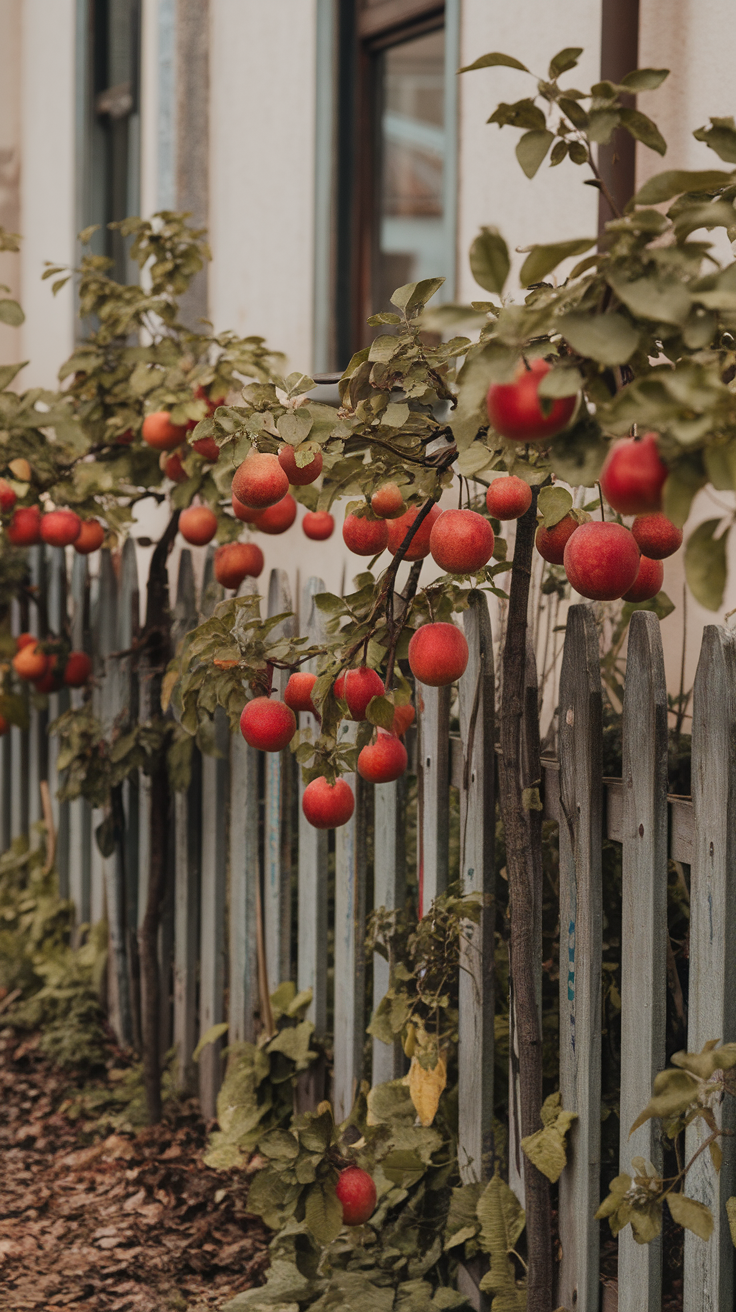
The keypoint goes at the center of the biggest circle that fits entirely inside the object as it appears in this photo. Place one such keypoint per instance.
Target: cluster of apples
(47, 672)
(603, 561)
(459, 541)
(59, 528)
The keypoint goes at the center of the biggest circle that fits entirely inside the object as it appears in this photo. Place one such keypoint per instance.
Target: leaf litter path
(96, 1221)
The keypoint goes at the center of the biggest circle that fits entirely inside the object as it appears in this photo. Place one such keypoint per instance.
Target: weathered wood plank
(709, 1267)
(350, 914)
(97, 873)
(680, 809)
(643, 935)
(19, 752)
(389, 890)
(187, 857)
(215, 791)
(80, 812)
(280, 780)
(477, 832)
(37, 733)
(245, 876)
(433, 777)
(58, 703)
(312, 926)
(580, 957)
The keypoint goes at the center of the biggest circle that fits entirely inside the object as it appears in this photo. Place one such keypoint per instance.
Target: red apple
(235, 560)
(260, 481)
(327, 806)
(198, 525)
(601, 560)
(172, 467)
(297, 475)
(159, 432)
(387, 502)
(551, 542)
(278, 518)
(384, 760)
(51, 680)
(357, 687)
(633, 476)
(357, 1193)
(656, 536)
(8, 497)
(30, 663)
(461, 541)
(298, 691)
(419, 546)
(125, 439)
(77, 669)
(438, 654)
(4, 725)
(318, 525)
(648, 581)
(267, 725)
(60, 528)
(91, 537)
(403, 717)
(509, 497)
(515, 410)
(25, 640)
(364, 537)
(24, 529)
(244, 513)
(207, 447)
(201, 394)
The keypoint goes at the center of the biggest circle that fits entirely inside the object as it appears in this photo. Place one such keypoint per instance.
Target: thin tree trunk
(157, 653)
(522, 866)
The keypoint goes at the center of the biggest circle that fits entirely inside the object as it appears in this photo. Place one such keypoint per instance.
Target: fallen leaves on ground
(109, 1222)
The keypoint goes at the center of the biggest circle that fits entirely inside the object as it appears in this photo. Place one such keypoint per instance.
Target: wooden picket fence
(242, 844)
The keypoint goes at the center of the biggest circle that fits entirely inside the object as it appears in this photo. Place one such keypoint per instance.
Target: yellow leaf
(546, 1149)
(168, 684)
(21, 469)
(731, 1213)
(426, 1088)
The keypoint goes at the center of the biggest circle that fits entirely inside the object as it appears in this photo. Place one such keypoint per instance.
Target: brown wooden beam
(619, 56)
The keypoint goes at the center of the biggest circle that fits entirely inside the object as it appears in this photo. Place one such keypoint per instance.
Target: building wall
(10, 45)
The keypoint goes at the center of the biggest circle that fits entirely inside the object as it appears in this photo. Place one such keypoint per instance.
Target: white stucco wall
(262, 171)
(48, 187)
(10, 37)
(492, 189)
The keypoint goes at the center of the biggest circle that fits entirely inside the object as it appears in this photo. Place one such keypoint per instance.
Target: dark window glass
(112, 189)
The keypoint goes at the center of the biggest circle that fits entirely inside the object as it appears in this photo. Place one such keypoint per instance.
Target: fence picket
(80, 813)
(350, 902)
(18, 785)
(643, 935)
(389, 890)
(709, 1267)
(580, 956)
(187, 854)
(312, 927)
(433, 778)
(279, 792)
(215, 787)
(97, 873)
(58, 703)
(477, 832)
(38, 731)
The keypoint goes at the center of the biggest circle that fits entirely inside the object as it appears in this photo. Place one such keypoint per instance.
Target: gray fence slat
(312, 927)
(18, 755)
(37, 734)
(80, 813)
(580, 956)
(349, 966)
(643, 935)
(245, 874)
(709, 1267)
(58, 703)
(6, 775)
(97, 872)
(477, 832)
(187, 855)
(389, 890)
(433, 707)
(213, 889)
(279, 779)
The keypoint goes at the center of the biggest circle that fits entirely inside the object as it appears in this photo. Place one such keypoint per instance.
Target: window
(386, 200)
(110, 147)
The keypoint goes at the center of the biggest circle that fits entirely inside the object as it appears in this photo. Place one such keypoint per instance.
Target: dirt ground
(105, 1222)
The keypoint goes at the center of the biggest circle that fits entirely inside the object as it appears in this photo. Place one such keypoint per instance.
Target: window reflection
(411, 236)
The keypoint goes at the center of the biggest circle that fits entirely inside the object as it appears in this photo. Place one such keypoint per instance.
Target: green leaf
(521, 114)
(489, 260)
(564, 60)
(532, 148)
(705, 564)
(493, 60)
(87, 234)
(720, 137)
(8, 373)
(546, 1149)
(541, 260)
(654, 298)
(643, 129)
(645, 79)
(294, 426)
(553, 504)
(502, 1221)
(414, 295)
(574, 111)
(561, 381)
(607, 338)
(380, 711)
(674, 182)
(685, 479)
(323, 1212)
(691, 1214)
(211, 1035)
(11, 313)
(559, 152)
(105, 836)
(731, 1214)
(602, 124)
